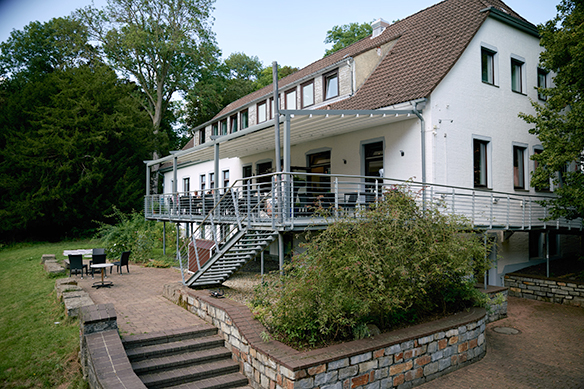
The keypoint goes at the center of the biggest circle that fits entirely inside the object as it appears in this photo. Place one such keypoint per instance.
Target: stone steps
(195, 357)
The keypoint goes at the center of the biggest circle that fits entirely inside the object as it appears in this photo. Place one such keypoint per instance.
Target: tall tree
(266, 77)
(345, 35)
(72, 137)
(161, 44)
(559, 122)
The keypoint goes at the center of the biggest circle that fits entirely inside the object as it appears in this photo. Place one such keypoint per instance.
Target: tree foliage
(345, 35)
(559, 122)
(391, 266)
(162, 44)
(225, 82)
(72, 140)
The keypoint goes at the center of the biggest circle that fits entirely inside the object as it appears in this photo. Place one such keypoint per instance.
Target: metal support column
(216, 170)
(147, 180)
(547, 253)
(163, 238)
(281, 252)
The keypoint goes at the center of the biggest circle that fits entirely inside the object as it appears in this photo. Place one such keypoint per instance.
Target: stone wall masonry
(399, 359)
(554, 290)
(498, 301)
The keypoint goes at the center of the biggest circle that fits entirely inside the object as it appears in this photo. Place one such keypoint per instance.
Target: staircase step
(234, 380)
(188, 374)
(168, 362)
(153, 338)
(172, 348)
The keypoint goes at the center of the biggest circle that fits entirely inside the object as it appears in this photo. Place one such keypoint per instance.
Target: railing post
(292, 200)
(453, 202)
(272, 207)
(508, 209)
(530, 214)
(336, 197)
(491, 215)
(523, 213)
(248, 203)
(473, 209)
(236, 209)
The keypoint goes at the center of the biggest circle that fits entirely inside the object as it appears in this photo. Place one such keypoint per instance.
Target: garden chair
(76, 264)
(96, 259)
(122, 262)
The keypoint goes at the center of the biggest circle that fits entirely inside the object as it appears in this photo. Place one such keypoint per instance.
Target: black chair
(122, 262)
(76, 263)
(96, 259)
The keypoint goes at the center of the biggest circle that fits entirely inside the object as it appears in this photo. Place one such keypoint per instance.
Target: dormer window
(308, 94)
(233, 120)
(215, 129)
(262, 112)
(331, 85)
(244, 119)
(224, 127)
(201, 136)
(290, 98)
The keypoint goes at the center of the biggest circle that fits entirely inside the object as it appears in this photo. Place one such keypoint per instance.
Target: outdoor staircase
(194, 358)
(236, 252)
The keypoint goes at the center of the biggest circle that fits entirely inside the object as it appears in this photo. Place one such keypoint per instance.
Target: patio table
(102, 283)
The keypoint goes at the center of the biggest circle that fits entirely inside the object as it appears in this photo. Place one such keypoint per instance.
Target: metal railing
(290, 200)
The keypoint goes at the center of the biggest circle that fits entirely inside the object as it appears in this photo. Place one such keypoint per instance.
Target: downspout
(418, 108)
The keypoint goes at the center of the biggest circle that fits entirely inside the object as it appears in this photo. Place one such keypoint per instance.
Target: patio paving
(547, 352)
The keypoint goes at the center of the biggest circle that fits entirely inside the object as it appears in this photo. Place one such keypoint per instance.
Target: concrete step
(222, 382)
(141, 340)
(169, 362)
(173, 348)
(182, 375)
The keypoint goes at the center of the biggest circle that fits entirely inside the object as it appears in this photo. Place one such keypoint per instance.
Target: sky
(289, 32)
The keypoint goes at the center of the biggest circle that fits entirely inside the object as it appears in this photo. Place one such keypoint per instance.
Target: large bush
(393, 265)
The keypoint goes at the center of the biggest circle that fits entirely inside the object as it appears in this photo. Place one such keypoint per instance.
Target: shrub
(393, 265)
(131, 233)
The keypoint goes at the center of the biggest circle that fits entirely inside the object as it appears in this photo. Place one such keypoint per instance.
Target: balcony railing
(285, 201)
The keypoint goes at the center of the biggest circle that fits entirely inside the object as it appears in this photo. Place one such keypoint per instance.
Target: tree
(162, 44)
(345, 35)
(266, 77)
(559, 122)
(72, 139)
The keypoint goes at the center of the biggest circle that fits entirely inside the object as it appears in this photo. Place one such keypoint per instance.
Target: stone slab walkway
(137, 298)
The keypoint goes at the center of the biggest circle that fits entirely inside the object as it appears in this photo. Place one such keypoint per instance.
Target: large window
(262, 114)
(308, 94)
(516, 76)
(264, 183)
(541, 83)
(212, 180)
(319, 163)
(226, 178)
(290, 98)
(246, 173)
(186, 184)
(519, 167)
(244, 119)
(331, 85)
(480, 149)
(202, 182)
(488, 66)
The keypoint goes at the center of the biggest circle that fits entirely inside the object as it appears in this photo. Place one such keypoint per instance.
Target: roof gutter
(504, 17)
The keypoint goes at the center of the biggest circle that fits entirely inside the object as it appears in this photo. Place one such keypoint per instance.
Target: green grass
(35, 351)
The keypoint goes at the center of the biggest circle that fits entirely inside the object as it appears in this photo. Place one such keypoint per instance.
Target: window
(271, 108)
(186, 184)
(291, 99)
(226, 178)
(202, 182)
(244, 119)
(535, 166)
(233, 120)
(331, 85)
(202, 136)
(264, 183)
(319, 163)
(541, 83)
(488, 66)
(224, 127)
(519, 167)
(215, 129)
(308, 94)
(211, 180)
(262, 114)
(516, 70)
(480, 148)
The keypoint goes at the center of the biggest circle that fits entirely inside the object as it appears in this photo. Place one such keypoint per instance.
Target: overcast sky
(291, 33)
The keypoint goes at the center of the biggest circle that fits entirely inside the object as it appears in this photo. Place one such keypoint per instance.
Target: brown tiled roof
(430, 42)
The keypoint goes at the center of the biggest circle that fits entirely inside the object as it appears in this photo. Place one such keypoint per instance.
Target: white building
(433, 98)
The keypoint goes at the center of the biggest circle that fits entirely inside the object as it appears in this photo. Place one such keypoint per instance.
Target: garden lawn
(39, 344)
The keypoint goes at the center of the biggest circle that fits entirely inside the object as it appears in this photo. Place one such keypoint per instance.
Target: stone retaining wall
(399, 359)
(555, 290)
